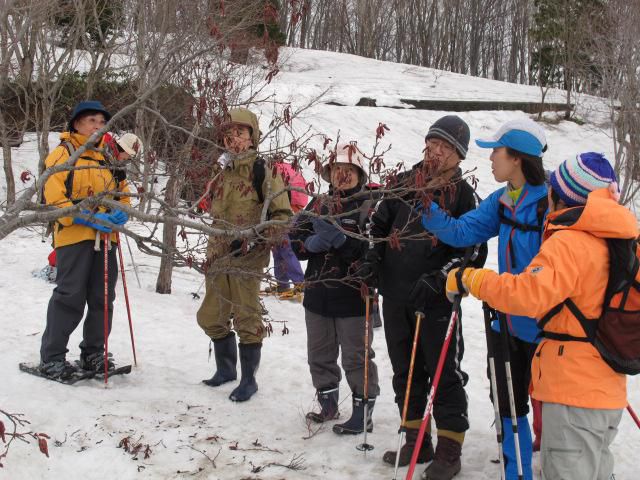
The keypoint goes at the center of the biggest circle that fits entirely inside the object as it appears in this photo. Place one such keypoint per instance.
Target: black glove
(428, 289)
(369, 269)
(236, 247)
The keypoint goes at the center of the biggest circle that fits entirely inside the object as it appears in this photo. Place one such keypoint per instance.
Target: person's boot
(446, 461)
(57, 369)
(355, 424)
(411, 436)
(509, 449)
(226, 354)
(249, 362)
(328, 399)
(94, 362)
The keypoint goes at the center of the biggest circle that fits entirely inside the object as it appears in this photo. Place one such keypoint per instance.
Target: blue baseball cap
(522, 135)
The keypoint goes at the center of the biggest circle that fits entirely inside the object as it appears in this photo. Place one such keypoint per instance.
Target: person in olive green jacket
(236, 266)
(80, 268)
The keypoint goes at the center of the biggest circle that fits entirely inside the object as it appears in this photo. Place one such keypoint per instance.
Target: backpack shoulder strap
(364, 212)
(541, 210)
(68, 183)
(259, 174)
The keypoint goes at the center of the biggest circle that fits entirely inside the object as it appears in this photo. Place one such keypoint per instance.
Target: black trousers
(521, 354)
(450, 403)
(80, 283)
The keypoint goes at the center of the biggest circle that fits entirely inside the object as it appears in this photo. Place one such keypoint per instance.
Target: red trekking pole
(633, 415)
(434, 386)
(106, 308)
(126, 298)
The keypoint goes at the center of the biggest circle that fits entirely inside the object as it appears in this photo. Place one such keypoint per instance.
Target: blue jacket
(516, 248)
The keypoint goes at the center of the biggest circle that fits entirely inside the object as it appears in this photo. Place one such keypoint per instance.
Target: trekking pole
(364, 446)
(126, 298)
(455, 312)
(494, 385)
(106, 309)
(504, 337)
(133, 262)
(633, 415)
(434, 386)
(407, 391)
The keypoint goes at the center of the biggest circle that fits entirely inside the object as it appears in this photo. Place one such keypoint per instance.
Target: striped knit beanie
(452, 129)
(577, 177)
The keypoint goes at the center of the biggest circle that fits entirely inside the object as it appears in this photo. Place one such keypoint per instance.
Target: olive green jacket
(236, 206)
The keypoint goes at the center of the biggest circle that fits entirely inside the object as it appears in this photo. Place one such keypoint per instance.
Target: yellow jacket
(86, 182)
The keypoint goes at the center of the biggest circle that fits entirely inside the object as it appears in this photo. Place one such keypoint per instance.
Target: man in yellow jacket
(583, 397)
(237, 265)
(80, 268)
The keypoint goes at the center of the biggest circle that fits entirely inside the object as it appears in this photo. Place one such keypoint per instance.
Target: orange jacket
(573, 262)
(86, 182)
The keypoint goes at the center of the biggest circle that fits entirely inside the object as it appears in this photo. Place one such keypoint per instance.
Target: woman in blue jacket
(515, 214)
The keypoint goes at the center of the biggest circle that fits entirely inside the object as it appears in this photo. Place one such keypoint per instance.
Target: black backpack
(616, 333)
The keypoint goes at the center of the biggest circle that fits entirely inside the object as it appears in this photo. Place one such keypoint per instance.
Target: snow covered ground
(194, 431)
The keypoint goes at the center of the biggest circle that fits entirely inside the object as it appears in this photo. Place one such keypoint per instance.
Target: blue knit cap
(577, 177)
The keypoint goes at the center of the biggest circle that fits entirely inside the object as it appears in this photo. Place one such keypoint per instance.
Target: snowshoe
(59, 371)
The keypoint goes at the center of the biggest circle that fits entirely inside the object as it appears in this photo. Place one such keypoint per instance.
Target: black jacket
(419, 252)
(332, 288)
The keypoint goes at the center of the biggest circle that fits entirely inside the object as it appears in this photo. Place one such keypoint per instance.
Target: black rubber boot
(226, 354)
(249, 362)
(328, 399)
(411, 435)
(446, 463)
(355, 424)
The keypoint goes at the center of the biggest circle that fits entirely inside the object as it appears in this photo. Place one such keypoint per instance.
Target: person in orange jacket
(583, 397)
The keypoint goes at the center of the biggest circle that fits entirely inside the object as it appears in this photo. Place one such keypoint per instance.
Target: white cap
(130, 143)
(342, 156)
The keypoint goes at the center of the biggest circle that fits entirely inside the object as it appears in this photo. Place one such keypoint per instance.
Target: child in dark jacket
(333, 303)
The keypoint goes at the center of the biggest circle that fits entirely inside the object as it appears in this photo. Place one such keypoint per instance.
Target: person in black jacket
(411, 271)
(333, 303)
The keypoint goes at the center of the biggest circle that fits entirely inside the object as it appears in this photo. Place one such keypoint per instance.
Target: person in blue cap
(515, 214)
(80, 268)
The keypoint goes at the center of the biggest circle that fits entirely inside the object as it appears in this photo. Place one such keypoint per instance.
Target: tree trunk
(163, 283)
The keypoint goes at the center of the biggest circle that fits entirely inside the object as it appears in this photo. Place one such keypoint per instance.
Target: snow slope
(163, 404)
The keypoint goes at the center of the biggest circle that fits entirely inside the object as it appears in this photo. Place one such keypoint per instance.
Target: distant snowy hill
(194, 431)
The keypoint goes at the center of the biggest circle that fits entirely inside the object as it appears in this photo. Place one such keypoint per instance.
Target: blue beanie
(88, 106)
(577, 177)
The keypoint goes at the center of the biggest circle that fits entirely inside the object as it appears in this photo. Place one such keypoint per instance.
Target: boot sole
(315, 418)
(209, 383)
(392, 461)
(345, 431)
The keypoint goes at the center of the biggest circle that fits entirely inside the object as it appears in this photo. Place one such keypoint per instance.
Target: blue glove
(427, 215)
(316, 244)
(88, 223)
(329, 233)
(119, 217)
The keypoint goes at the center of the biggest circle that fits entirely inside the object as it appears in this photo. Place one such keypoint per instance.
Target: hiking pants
(450, 405)
(328, 336)
(286, 266)
(80, 283)
(575, 442)
(237, 293)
